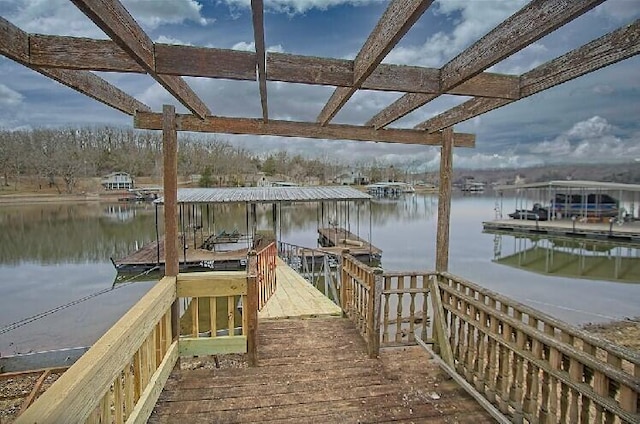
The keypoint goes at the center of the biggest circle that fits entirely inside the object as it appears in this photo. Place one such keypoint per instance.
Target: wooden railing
(120, 378)
(123, 369)
(360, 299)
(266, 263)
(533, 367)
(405, 300)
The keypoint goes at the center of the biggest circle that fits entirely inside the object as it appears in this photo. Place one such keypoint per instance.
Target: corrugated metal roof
(572, 184)
(267, 194)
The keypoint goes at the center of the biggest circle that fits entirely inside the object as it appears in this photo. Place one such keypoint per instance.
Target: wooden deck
(317, 371)
(337, 239)
(626, 231)
(147, 257)
(296, 298)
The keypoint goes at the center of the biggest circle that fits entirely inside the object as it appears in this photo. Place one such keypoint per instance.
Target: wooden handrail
(141, 340)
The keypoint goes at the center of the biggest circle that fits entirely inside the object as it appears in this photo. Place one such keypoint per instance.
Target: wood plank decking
(317, 371)
(337, 239)
(296, 298)
(626, 231)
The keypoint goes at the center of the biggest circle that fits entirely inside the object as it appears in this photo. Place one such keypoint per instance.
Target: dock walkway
(296, 298)
(627, 231)
(317, 371)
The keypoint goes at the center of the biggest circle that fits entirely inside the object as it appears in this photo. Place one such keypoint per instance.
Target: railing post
(375, 294)
(343, 283)
(252, 309)
(442, 346)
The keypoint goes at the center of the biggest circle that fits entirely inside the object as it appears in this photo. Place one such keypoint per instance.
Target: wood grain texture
(112, 17)
(532, 22)
(397, 19)
(257, 14)
(95, 87)
(299, 129)
(606, 50)
(205, 62)
(229, 283)
(444, 201)
(14, 43)
(80, 53)
(170, 188)
(401, 107)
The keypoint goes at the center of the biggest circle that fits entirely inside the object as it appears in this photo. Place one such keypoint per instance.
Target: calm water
(52, 255)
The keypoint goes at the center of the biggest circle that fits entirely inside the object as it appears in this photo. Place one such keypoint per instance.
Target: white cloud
(293, 7)
(153, 14)
(251, 47)
(61, 17)
(9, 97)
(590, 141)
(163, 39)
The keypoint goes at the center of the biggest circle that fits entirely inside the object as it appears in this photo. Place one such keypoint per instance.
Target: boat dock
(152, 255)
(628, 231)
(335, 240)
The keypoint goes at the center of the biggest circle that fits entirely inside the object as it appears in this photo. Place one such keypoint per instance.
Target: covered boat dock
(588, 209)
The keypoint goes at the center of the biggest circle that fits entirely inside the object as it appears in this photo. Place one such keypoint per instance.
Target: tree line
(60, 157)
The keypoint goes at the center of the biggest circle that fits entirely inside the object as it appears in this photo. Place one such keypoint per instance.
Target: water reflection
(568, 257)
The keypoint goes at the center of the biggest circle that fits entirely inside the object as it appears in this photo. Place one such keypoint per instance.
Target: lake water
(57, 254)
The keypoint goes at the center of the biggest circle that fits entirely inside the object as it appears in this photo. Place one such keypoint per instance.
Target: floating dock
(335, 240)
(152, 255)
(628, 231)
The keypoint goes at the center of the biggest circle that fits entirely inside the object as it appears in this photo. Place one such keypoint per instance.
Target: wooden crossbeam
(54, 51)
(14, 44)
(604, 51)
(112, 17)
(225, 125)
(507, 86)
(534, 21)
(395, 22)
(529, 24)
(258, 35)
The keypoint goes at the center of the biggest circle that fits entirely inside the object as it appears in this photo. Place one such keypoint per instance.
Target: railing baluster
(385, 319)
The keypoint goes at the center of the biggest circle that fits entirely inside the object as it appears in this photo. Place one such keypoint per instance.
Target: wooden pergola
(71, 60)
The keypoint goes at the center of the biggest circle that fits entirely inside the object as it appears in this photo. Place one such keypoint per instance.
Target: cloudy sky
(595, 118)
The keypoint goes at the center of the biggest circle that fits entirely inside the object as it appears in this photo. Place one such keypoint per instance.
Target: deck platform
(296, 298)
(629, 231)
(317, 371)
(151, 255)
(335, 240)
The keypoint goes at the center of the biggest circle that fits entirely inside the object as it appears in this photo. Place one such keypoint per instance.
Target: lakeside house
(117, 181)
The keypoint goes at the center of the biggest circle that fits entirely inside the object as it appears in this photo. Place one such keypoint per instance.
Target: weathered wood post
(441, 344)
(375, 295)
(252, 308)
(170, 182)
(343, 282)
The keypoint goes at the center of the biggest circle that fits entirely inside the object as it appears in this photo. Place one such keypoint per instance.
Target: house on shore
(117, 181)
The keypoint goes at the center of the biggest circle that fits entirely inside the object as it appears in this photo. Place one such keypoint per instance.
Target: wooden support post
(343, 283)
(252, 309)
(170, 179)
(444, 201)
(375, 293)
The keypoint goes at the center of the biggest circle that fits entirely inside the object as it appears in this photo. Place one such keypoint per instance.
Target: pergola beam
(54, 51)
(529, 24)
(225, 125)
(604, 51)
(258, 35)
(112, 17)
(392, 26)
(14, 44)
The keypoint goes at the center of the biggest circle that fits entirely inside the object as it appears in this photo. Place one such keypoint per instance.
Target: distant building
(117, 181)
(352, 178)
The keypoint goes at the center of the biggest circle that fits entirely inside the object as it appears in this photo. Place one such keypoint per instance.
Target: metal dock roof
(572, 184)
(267, 194)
